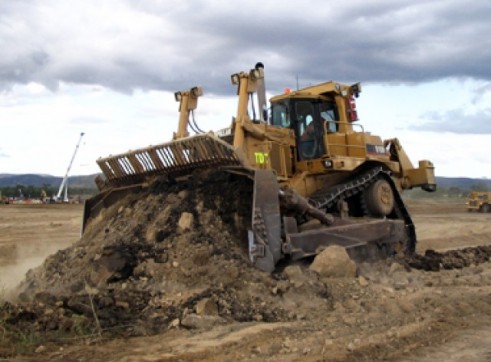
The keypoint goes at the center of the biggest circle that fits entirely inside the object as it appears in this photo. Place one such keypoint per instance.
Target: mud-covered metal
(364, 241)
(265, 236)
(359, 185)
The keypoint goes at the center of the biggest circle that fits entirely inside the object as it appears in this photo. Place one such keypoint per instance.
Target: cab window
(304, 112)
(280, 115)
(328, 116)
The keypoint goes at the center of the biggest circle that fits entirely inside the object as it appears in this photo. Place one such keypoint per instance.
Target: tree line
(35, 192)
(452, 191)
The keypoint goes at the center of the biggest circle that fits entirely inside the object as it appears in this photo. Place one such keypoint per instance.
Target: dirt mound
(152, 261)
(451, 259)
(174, 257)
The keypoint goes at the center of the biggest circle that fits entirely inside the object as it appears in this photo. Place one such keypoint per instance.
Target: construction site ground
(214, 309)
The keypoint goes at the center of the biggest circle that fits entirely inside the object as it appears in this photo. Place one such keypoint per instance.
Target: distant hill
(8, 180)
(462, 183)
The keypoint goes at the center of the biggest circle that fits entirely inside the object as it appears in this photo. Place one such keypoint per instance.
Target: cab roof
(322, 90)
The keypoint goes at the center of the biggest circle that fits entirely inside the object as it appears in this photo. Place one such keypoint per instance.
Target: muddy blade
(176, 158)
(265, 236)
(363, 241)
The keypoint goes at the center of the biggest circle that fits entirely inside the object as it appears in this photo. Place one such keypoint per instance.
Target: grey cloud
(479, 93)
(456, 121)
(169, 45)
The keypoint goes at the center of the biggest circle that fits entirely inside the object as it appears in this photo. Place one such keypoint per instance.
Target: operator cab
(310, 119)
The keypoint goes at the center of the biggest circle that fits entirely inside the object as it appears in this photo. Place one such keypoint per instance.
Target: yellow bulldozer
(318, 177)
(479, 201)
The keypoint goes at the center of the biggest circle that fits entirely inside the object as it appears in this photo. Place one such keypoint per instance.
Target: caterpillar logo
(261, 157)
(376, 149)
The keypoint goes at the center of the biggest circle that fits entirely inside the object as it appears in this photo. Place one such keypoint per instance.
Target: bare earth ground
(398, 315)
(29, 233)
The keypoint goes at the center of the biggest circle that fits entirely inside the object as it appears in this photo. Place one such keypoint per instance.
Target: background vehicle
(479, 201)
(62, 195)
(318, 178)
(4, 199)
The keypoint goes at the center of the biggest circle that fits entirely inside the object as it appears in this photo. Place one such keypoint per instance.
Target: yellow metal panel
(270, 155)
(276, 159)
(336, 144)
(356, 144)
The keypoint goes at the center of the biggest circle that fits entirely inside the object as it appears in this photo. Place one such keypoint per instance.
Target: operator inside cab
(310, 119)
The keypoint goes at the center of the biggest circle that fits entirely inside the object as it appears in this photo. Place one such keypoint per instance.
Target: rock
(388, 290)
(295, 275)
(172, 199)
(334, 262)
(122, 304)
(186, 221)
(400, 284)
(362, 281)
(40, 349)
(395, 268)
(118, 264)
(194, 321)
(287, 343)
(175, 323)
(148, 268)
(185, 272)
(199, 207)
(48, 311)
(206, 307)
(91, 291)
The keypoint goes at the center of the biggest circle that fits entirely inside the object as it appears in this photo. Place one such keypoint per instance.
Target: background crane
(64, 183)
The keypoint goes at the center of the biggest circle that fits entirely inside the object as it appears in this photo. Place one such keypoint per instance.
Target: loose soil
(164, 276)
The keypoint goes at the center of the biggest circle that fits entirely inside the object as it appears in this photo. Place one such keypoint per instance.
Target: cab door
(308, 129)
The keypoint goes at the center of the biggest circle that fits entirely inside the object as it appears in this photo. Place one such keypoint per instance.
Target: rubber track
(356, 186)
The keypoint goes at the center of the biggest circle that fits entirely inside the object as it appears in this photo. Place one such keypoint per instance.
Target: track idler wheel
(379, 198)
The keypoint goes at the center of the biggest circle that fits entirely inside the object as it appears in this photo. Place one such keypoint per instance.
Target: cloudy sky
(109, 68)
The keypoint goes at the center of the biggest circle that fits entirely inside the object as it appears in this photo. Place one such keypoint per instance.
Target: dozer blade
(265, 236)
(175, 158)
(364, 241)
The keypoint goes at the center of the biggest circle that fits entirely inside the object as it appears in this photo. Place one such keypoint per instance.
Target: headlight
(328, 163)
(256, 73)
(235, 78)
(197, 91)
